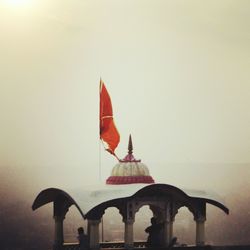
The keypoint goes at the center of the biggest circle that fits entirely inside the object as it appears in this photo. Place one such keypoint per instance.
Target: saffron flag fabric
(108, 131)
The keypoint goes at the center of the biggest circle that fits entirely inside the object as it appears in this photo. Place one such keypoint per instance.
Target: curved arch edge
(51, 195)
(168, 190)
(217, 204)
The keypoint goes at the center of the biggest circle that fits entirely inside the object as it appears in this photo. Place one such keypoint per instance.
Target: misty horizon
(18, 197)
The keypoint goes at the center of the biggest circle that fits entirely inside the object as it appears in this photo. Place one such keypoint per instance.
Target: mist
(178, 76)
(22, 228)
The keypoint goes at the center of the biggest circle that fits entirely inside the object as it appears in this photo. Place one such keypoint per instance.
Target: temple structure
(129, 187)
(129, 170)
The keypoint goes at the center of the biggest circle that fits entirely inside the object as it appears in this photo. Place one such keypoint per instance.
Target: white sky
(177, 72)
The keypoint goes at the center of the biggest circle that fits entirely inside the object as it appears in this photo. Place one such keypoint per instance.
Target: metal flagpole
(100, 174)
(100, 179)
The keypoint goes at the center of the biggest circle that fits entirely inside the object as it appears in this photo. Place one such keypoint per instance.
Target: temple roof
(89, 198)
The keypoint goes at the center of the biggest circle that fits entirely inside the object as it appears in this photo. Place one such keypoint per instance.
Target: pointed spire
(129, 157)
(130, 145)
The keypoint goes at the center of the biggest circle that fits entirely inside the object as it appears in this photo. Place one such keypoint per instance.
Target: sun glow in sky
(17, 2)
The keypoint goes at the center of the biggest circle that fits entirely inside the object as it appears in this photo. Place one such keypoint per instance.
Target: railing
(71, 246)
(110, 245)
(120, 245)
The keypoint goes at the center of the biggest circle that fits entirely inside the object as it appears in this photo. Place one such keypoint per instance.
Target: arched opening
(142, 221)
(73, 220)
(111, 226)
(184, 227)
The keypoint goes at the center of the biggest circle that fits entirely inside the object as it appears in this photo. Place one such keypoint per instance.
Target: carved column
(93, 231)
(168, 225)
(171, 226)
(129, 234)
(200, 218)
(200, 231)
(60, 209)
(129, 219)
(58, 240)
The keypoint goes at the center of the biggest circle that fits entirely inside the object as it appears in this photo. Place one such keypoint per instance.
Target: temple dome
(129, 170)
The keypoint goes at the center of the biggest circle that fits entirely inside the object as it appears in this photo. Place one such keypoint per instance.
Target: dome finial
(129, 157)
(130, 145)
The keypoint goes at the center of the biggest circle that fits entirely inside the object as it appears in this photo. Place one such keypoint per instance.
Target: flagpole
(100, 179)
(100, 173)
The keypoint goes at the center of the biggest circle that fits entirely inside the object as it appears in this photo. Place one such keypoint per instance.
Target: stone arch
(62, 201)
(184, 226)
(142, 221)
(73, 220)
(112, 226)
(161, 208)
(164, 200)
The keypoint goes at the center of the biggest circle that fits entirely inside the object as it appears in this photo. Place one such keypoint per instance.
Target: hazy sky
(177, 72)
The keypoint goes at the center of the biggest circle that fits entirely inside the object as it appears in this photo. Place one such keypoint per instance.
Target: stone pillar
(200, 218)
(58, 237)
(129, 234)
(129, 219)
(171, 226)
(168, 225)
(166, 234)
(200, 231)
(93, 231)
(60, 207)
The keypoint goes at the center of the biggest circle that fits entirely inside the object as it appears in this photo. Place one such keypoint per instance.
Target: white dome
(130, 169)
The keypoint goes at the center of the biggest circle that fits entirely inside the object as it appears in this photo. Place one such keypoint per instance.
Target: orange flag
(108, 132)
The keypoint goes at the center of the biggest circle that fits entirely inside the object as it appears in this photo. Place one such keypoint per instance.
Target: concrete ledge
(118, 245)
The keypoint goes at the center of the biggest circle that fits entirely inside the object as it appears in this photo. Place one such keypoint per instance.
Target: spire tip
(130, 145)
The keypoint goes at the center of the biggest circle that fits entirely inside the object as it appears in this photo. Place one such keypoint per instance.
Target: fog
(178, 75)
(22, 228)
